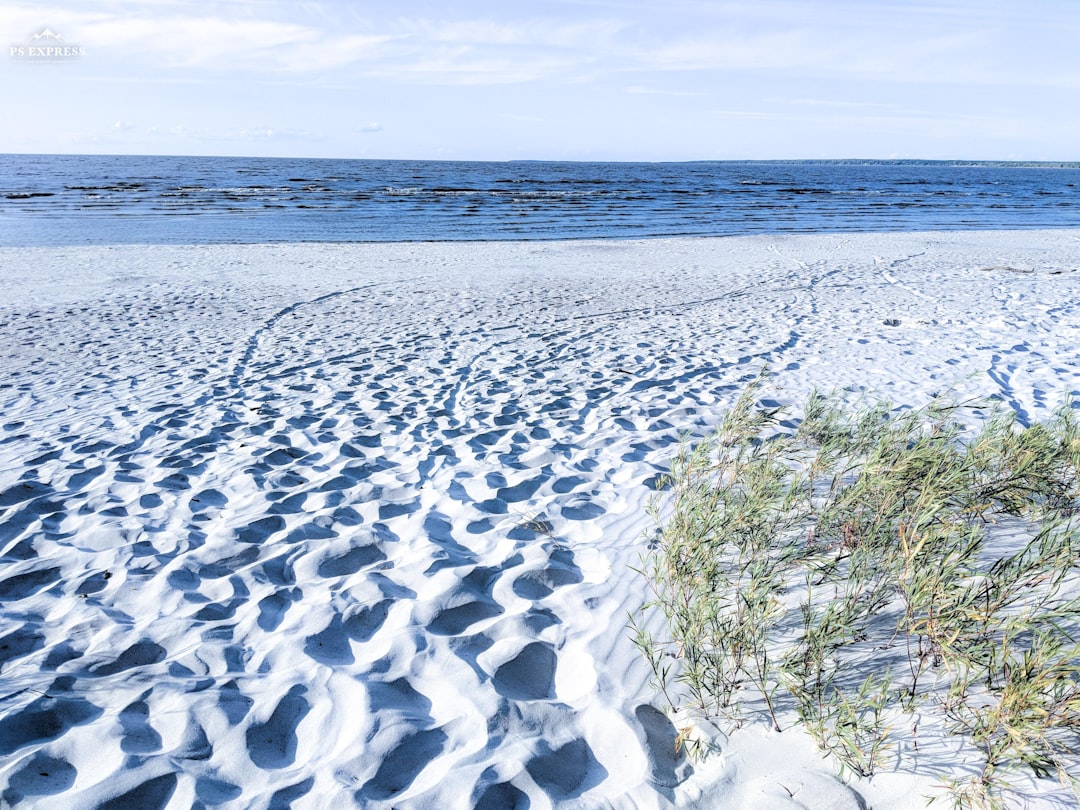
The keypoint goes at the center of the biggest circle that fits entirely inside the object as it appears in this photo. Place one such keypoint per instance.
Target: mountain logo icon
(46, 46)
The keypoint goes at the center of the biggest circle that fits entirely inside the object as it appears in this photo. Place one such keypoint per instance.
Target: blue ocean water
(74, 200)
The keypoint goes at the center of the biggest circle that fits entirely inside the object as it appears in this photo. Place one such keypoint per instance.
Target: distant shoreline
(944, 162)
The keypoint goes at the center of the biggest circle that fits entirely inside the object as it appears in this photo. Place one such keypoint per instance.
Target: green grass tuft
(847, 572)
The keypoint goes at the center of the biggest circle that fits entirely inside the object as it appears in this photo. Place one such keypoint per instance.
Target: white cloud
(226, 38)
(173, 37)
(653, 90)
(937, 43)
(526, 33)
(962, 42)
(232, 134)
(228, 45)
(464, 68)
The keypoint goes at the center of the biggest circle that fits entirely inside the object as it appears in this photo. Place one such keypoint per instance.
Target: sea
(54, 200)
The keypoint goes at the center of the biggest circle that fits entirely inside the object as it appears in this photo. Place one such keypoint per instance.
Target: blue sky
(549, 79)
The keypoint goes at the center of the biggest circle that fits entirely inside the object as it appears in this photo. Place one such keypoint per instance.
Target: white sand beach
(329, 525)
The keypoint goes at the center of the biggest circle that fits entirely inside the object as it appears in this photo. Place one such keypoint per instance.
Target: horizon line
(958, 162)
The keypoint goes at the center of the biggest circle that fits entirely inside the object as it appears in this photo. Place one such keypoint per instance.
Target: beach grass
(879, 577)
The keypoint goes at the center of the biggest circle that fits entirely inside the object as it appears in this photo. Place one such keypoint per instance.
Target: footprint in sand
(140, 654)
(668, 764)
(40, 775)
(234, 703)
(529, 675)
(560, 570)
(21, 641)
(154, 794)
(272, 608)
(567, 771)
(456, 620)
(473, 595)
(27, 584)
(403, 763)
(351, 561)
(501, 796)
(283, 799)
(139, 736)
(331, 646)
(272, 745)
(216, 791)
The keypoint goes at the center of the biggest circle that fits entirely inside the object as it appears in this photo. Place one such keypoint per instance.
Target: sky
(546, 79)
